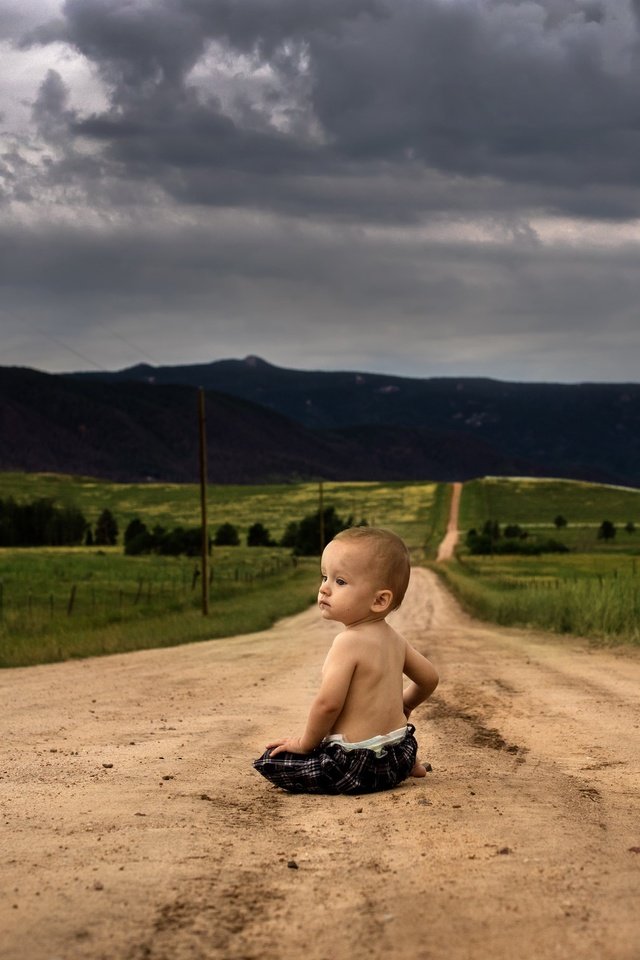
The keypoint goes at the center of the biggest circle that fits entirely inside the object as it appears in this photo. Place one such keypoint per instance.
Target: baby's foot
(418, 770)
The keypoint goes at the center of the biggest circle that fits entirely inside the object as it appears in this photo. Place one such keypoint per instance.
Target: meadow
(57, 603)
(592, 591)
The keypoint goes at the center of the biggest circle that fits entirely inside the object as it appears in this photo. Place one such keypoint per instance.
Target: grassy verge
(236, 607)
(592, 591)
(604, 607)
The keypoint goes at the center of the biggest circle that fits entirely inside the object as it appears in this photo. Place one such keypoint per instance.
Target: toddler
(356, 738)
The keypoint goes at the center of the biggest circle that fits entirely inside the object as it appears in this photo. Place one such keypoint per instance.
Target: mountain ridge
(267, 422)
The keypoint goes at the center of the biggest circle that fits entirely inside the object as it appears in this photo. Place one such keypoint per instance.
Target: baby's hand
(287, 745)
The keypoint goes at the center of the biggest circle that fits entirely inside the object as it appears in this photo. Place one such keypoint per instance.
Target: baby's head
(386, 555)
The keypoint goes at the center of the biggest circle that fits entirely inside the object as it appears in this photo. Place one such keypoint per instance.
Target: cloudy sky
(423, 187)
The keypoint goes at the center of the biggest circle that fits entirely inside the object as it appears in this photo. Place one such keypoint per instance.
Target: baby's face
(349, 583)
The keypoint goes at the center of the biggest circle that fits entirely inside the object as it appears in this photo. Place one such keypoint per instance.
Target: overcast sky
(421, 187)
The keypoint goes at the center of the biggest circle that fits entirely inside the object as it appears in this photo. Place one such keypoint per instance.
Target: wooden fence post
(72, 597)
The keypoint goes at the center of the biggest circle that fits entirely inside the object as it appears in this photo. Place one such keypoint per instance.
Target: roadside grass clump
(592, 590)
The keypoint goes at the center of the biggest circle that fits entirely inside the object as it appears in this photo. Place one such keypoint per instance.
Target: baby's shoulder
(345, 640)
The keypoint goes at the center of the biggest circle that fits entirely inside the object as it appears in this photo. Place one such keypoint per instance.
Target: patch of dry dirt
(134, 827)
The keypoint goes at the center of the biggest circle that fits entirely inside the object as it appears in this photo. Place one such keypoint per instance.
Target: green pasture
(408, 507)
(149, 605)
(534, 504)
(62, 602)
(592, 591)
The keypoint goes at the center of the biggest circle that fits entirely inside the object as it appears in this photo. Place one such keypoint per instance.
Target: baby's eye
(341, 582)
(323, 577)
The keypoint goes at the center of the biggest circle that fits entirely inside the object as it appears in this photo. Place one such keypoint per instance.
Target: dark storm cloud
(454, 178)
(539, 98)
(304, 297)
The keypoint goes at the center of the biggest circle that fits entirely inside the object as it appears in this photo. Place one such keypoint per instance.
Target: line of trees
(512, 538)
(493, 539)
(40, 523)
(302, 537)
(44, 523)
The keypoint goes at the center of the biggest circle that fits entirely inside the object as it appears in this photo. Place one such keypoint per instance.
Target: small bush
(169, 543)
(607, 530)
(106, 532)
(226, 536)
(259, 536)
(305, 535)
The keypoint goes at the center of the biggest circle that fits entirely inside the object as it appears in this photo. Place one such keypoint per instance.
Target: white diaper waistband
(377, 744)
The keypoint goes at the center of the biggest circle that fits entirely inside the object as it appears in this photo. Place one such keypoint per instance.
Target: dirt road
(448, 545)
(134, 827)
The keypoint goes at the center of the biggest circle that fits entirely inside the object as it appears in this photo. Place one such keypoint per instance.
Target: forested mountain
(267, 423)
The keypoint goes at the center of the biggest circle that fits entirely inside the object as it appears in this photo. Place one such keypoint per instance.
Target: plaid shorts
(332, 769)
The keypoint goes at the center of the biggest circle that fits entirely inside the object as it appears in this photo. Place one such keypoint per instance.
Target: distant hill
(129, 431)
(265, 423)
(382, 427)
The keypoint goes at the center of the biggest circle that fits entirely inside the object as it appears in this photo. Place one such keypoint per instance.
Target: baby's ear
(382, 601)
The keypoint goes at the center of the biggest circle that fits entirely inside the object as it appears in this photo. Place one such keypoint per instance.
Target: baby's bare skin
(361, 694)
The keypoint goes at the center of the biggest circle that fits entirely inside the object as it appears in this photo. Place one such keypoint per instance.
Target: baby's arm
(328, 702)
(423, 676)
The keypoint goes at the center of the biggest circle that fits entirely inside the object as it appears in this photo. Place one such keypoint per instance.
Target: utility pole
(203, 503)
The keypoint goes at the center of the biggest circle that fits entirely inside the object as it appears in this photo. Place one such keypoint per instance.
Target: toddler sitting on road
(357, 739)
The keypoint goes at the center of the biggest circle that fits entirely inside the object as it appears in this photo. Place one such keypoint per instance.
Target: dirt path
(448, 545)
(134, 828)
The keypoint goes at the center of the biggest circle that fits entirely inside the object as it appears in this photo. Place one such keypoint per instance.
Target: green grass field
(593, 591)
(534, 504)
(407, 507)
(56, 603)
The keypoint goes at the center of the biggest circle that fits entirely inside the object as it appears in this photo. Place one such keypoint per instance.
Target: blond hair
(390, 556)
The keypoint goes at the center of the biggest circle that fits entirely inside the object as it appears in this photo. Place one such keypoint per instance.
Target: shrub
(305, 535)
(259, 536)
(226, 536)
(134, 529)
(290, 534)
(513, 530)
(169, 543)
(106, 532)
(607, 530)
(517, 542)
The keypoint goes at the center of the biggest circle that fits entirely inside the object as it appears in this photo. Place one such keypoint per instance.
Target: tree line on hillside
(43, 522)
(512, 538)
(302, 537)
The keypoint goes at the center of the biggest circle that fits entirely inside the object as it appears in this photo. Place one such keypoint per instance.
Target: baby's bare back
(373, 704)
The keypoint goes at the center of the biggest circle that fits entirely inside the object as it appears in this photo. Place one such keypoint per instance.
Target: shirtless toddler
(356, 738)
